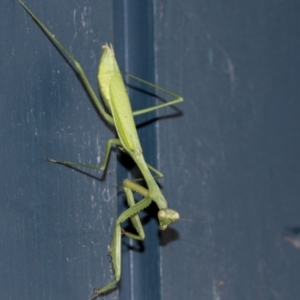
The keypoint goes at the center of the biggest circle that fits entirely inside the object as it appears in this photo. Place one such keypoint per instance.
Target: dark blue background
(230, 153)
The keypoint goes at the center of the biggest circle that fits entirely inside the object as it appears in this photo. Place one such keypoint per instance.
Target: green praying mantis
(121, 116)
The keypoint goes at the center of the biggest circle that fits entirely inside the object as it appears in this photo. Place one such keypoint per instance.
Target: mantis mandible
(114, 95)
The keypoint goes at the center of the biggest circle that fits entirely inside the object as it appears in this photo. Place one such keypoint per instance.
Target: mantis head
(166, 216)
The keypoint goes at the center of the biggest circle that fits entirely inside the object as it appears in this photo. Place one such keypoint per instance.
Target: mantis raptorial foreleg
(120, 115)
(130, 213)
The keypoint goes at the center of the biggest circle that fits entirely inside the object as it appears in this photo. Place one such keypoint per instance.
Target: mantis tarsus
(120, 115)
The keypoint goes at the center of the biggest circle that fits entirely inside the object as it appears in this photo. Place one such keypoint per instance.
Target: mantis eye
(166, 217)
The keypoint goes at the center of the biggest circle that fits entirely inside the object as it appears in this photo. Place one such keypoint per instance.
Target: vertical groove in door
(134, 47)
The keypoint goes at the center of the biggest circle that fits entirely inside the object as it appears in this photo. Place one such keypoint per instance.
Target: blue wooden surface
(56, 224)
(230, 154)
(232, 159)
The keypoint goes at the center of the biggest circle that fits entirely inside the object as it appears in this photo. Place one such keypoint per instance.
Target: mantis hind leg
(177, 99)
(76, 65)
(158, 173)
(132, 214)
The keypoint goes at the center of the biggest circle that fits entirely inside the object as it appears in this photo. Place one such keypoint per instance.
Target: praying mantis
(121, 116)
